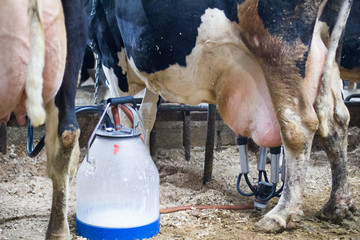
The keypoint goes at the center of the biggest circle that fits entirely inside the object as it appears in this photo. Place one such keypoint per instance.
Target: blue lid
(101, 233)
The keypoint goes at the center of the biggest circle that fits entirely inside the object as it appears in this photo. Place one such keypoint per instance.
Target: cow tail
(334, 40)
(326, 78)
(34, 78)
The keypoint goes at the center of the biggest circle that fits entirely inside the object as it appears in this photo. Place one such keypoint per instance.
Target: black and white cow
(268, 65)
(40, 66)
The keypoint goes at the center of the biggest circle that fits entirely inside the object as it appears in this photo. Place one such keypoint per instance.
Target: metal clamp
(265, 190)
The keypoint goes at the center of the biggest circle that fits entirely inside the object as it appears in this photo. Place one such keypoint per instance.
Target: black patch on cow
(157, 34)
(350, 55)
(88, 63)
(76, 32)
(289, 20)
(301, 64)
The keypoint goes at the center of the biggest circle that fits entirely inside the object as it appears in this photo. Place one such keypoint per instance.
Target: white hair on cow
(34, 78)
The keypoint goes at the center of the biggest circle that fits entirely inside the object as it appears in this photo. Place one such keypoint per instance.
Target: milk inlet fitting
(117, 183)
(265, 189)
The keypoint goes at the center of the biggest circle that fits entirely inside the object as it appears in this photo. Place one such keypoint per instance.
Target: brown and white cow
(42, 44)
(268, 65)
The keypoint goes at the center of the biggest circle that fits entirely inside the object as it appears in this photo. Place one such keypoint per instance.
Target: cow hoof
(57, 232)
(336, 212)
(270, 224)
(294, 220)
(58, 236)
(278, 223)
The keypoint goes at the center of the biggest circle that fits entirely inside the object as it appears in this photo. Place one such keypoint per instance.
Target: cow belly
(230, 78)
(14, 52)
(233, 80)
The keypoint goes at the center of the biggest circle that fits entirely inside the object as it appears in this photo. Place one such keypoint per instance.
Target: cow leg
(63, 132)
(298, 123)
(148, 111)
(334, 120)
(62, 154)
(333, 131)
(340, 204)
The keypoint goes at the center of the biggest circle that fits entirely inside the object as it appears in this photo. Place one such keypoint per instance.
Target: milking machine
(117, 190)
(265, 189)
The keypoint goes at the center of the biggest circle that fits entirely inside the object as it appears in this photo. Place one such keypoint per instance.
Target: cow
(40, 61)
(268, 65)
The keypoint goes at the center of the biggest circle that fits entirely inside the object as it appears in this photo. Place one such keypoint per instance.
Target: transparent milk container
(117, 192)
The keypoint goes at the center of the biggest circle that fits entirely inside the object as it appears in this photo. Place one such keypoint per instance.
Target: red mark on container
(116, 149)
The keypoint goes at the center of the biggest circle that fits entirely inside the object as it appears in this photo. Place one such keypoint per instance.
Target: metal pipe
(3, 137)
(354, 95)
(283, 166)
(209, 149)
(262, 158)
(275, 164)
(182, 107)
(243, 154)
(186, 134)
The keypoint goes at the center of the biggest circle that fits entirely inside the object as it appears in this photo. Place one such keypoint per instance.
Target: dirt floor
(25, 198)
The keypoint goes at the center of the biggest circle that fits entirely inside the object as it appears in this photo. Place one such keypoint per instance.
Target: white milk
(117, 218)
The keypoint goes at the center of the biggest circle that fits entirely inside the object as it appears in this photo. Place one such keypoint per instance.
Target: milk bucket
(117, 184)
